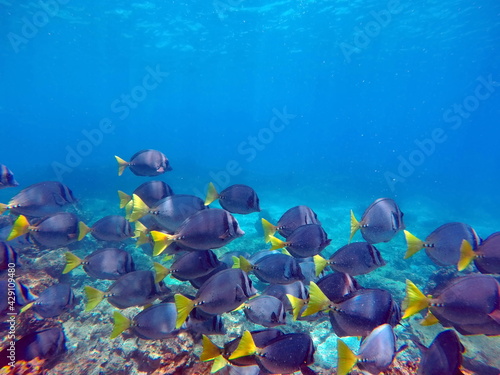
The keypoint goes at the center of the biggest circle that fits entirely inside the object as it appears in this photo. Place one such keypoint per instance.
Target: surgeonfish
(486, 256)
(305, 241)
(145, 163)
(380, 222)
(272, 268)
(113, 228)
(7, 177)
(53, 301)
(443, 356)
(191, 265)
(108, 263)
(289, 221)
(267, 311)
(237, 199)
(443, 245)
(150, 192)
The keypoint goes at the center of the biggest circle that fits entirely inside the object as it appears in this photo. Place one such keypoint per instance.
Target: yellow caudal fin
(139, 208)
(167, 258)
(122, 164)
(318, 301)
(94, 297)
(466, 255)
(160, 271)
(276, 243)
(140, 232)
(3, 208)
(319, 264)
(124, 198)
(83, 230)
(429, 319)
(268, 229)
(210, 350)
(128, 209)
(21, 226)
(297, 305)
(141, 240)
(72, 261)
(414, 300)
(184, 306)
(413, 244)
(212, 194)
(219, 363)
(245, 347)
(161, 241)
(120, 324)
(27, 307)
(346, 360)
(354, 226)
(242, 263)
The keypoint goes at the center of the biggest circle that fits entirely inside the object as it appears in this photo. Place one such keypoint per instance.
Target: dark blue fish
(110, 228)
(237, 199)
(380, 221)
(43, 198)
(45, 344)
(7, 177)
(206, 324)
(150, 192)
(280, 291)
(59, 229)
(272, 268)
(157, 322)
(337, 285)
(443, 357)
(53, 301)
(292, 219)
(190, 265)
(267, 311)
(145, 163)
(486, 256)
(108, 263)
(305, 241)
(7, 256)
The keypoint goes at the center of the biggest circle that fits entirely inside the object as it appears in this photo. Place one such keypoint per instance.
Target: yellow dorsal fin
(297, 305)
(120, 324)
(269, 230)
(319, 264)
(414, 300)
(318, 301)
(72, 261)
(346, 360)
(124, 198)
(212, 194)
(94, 297)
(184, 306)
(160, 272)
(354, 226)
(276, 243)
(161, 241)
(83, 230)
(139, 208)
(245, 347)
(413, 243)
(122, 164)
(466, 255)
(21, 226)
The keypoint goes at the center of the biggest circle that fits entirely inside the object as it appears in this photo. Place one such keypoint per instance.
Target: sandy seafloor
(90, 351)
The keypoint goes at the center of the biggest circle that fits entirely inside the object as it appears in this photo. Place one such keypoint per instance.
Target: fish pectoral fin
(225, 235)
(495, 315)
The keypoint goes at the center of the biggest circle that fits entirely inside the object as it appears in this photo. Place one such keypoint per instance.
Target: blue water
(326, 103)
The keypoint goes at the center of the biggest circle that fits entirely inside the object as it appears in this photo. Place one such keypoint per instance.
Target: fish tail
(242, 263)
(210, 350)
(124, 198)
(139, 208)
(142, 239)
(161, 241)
(318, 301)
(184, 306)
(212, 194)
(429, 319)
(140, 232)
(3, 208)
(122, 164)
(268, 229)
(219, 363)
(245, 347)
(94, 297)
(83, 230)
(354, 226)
(346, 360)
(276, 243)
(414, 300)
(27, 307)
(167, 257)
(20, 227)
(297, 305)
(160, 272)
(120, 324)
(72, 261)
(319, 264)
(466, 255)
(413, 243)
(128, 209)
